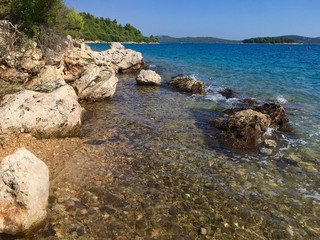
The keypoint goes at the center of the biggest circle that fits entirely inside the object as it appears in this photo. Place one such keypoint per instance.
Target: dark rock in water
(286, 162)
(249, 102)
(245, 128)
(275, 111)
(188, 85)
(227, 93)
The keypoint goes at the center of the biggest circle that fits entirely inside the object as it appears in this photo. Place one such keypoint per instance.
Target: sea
(222, 193)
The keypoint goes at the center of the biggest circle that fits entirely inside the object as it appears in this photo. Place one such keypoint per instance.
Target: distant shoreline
(103, 42)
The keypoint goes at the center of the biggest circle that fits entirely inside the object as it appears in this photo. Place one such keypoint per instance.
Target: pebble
(83, 211)
(203, 231)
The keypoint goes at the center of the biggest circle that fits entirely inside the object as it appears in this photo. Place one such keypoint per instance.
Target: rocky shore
(54, 83)
(56, 87)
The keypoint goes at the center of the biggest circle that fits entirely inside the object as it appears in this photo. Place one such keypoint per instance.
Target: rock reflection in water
(157, 175)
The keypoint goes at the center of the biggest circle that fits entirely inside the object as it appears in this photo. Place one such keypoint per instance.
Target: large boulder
(148, 78)
(244, 129)
(42, 114)
(49, 79)
(24, 192)
(96, 83)
(188, 84)
(123, 60)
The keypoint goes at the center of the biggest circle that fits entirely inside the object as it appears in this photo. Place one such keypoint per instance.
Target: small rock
(203, 231)
(266, 151)
(83, 211)
(269, 143)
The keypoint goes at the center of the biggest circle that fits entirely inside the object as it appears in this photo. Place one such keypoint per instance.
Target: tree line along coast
(35, 16)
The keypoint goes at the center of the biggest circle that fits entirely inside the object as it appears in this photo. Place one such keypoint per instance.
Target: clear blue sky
(231, 19)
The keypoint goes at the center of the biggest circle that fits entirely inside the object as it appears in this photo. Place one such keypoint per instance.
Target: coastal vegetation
(105, 29)
(34, 17)
(272, 40)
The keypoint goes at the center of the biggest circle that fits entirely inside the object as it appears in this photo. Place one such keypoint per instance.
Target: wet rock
(96, 83)
(245, 128)
(269, 143)
(188, 85)
(249, 102)
(42, 114)
(275, 111)
(148, 78)
(49, 79)
(24, 192)
(227, 93)
(266, 151)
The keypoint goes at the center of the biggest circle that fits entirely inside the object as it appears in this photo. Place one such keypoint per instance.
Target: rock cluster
(245, 128)
(48, 107)
(24, 192)
(188, 84)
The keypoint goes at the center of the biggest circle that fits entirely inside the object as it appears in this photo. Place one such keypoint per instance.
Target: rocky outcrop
(96, 83)
(246, 128)
(118, 58)
(148, 78)
(42, 114)
(188, 85)
(124, 60)
(24, 192)
(49, 79)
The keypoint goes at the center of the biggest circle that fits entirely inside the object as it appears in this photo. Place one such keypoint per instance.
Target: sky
(229, 19)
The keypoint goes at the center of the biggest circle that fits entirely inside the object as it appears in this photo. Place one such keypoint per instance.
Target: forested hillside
(109, 30)
(32, 16)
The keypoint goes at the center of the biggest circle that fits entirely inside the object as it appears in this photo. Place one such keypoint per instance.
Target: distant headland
(286, 39)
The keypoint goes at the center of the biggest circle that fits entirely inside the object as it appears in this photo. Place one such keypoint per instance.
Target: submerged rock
(96, 83)
(148, 78)
(42, 114)
(188, 85)
(227, 93)
(24, 192)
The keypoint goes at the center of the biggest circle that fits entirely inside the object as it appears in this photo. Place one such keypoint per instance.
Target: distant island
(289, 39)
(273, 40)
(168, 39)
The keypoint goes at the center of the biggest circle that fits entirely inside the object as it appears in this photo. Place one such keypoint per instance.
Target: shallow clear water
(289, 74)
(180, 179)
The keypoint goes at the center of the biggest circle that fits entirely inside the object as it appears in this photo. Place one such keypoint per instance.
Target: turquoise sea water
(289, 74)
(176, 157)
